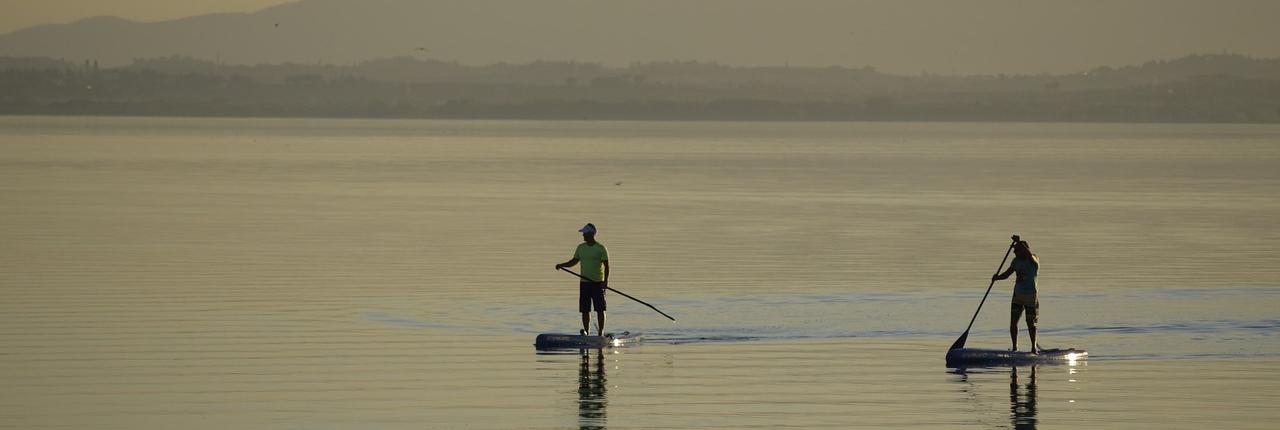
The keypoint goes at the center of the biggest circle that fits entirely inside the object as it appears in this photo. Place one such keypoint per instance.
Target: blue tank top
(1027, 270)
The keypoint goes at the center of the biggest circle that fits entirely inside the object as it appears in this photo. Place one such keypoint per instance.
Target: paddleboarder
(595, 277)
(1025, 295)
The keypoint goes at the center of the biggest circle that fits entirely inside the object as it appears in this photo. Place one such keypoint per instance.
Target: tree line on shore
(1220, 88)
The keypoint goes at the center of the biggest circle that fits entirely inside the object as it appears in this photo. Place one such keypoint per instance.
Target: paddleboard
(999, 357)
(577, 341)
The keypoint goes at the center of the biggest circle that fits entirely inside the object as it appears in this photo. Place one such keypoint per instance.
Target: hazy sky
(896, 36)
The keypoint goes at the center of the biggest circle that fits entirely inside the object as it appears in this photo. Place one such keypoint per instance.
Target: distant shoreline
(1197, 89)
(727, 110)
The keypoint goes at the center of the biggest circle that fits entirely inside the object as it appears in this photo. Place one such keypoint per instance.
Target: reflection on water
(591, 391)
(1022, 400)
(1022, 391)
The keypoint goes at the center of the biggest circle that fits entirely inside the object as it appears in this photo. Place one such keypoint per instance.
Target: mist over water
(347, 274)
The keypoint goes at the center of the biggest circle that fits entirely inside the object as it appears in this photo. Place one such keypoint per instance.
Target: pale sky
(19, 14)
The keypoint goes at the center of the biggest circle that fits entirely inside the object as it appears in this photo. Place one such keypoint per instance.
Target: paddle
(625, 294)
(960, 342)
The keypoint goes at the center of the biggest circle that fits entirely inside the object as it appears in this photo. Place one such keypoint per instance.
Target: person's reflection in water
(1022, 404)
(591, 391)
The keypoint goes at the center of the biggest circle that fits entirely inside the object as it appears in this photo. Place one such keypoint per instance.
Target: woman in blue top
(1025, 296)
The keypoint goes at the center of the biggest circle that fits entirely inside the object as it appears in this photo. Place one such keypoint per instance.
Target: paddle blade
(960, 342)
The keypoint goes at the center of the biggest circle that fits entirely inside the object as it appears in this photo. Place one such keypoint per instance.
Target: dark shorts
(590, 294)
(1030, 304)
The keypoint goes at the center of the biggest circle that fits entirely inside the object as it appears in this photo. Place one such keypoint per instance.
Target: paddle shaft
(960, 342)
(625, 294)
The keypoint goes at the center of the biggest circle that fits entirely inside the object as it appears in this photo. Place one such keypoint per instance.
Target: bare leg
(586, 322)
(600, 322)
(1035, 343)
(1013, 334)
(1013, 326)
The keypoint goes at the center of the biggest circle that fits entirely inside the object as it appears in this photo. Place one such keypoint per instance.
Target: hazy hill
(468, 31)
(934, 36)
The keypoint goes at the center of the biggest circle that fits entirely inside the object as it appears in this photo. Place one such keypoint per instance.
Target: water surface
(339, 274)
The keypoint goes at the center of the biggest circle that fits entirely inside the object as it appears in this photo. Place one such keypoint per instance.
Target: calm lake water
(340, 274)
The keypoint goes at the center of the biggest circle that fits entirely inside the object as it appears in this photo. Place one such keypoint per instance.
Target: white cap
(589, 228)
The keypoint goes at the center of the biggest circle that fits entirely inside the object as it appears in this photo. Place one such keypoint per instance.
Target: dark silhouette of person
(592, 388)
(1022, 403)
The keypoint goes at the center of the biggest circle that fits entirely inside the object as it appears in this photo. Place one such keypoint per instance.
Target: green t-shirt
(592, 258)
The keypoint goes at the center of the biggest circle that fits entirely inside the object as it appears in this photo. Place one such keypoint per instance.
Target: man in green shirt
(595, 266)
